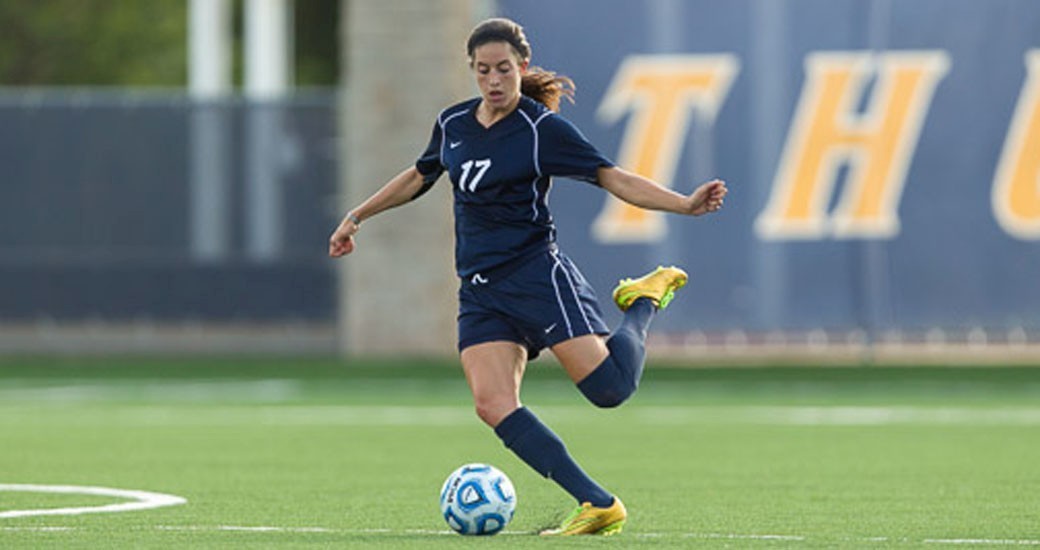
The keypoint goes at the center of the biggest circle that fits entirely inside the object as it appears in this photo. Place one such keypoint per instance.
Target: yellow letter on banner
(1016, 191)
(828, 131)
(660, 91)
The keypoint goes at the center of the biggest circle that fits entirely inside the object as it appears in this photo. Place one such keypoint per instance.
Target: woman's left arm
(646, 193)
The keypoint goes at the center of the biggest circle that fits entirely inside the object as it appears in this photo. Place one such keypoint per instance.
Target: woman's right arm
(399, 190)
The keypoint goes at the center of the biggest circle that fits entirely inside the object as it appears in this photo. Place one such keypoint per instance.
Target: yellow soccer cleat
(590, 520)
(659, 286)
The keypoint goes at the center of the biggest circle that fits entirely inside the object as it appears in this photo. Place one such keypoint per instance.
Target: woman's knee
(492, 409)
(607, 386)
(494, 371)
(609, 398)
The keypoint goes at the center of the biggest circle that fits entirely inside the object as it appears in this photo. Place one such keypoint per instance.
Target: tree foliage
(93, 42)
(137, 42)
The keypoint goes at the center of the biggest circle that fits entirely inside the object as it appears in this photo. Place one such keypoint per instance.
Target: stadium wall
(883, 159)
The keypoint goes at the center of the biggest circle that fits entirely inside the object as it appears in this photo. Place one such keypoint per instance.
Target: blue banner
(883, 157)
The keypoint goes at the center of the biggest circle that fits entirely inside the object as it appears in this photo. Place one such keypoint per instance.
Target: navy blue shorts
(539, 303)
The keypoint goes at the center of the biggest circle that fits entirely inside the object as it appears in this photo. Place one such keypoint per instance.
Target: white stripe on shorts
(577, 301)
(559, 299)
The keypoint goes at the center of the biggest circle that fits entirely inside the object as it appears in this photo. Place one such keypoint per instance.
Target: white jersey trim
(534, 157)
(444, 132)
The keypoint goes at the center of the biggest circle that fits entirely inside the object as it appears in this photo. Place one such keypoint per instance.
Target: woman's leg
(608, 372)
(494, 371)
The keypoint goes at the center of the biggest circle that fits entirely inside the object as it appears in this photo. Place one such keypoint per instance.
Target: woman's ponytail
(547, 87)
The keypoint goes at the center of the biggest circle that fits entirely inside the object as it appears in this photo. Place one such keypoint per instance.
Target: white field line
(247, 529)
(741, 537)
(842, 416)
(38, 529)
(268, 415)
(445, 532)
(272, 529)
(460, 415)
(727, 536)
(989, 542)
(89, 391)
(140, 500)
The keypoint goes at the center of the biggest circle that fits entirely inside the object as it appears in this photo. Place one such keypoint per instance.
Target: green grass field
(348, 455)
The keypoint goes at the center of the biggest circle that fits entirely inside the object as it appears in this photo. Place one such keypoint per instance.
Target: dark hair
(543, 86)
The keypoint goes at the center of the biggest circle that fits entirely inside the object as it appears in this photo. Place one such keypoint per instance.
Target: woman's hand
(706, 198)
(341, 242)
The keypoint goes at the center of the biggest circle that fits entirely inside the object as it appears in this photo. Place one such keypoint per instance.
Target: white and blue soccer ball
(477, 499)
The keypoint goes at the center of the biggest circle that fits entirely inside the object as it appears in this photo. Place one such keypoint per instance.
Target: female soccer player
(518, 292)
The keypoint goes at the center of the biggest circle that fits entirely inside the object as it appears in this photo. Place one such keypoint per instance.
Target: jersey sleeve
(429, 163)
(563, 151)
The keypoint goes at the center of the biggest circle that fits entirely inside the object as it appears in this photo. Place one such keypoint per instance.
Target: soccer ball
(477, 499)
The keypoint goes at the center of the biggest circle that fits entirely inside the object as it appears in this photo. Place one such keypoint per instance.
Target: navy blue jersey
(501, 178)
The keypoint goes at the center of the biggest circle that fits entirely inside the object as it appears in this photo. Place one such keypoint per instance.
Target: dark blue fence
(110, 210)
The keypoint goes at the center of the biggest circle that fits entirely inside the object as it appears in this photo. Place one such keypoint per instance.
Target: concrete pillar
(405, 61)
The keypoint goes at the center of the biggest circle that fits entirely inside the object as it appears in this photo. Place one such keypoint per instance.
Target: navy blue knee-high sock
(542, 450)
(618, 376)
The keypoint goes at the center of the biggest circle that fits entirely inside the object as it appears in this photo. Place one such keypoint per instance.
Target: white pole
(209, 49)
(267, 55)
(209, 80)
(267, 80)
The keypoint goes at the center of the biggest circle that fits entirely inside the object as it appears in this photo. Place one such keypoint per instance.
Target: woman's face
(498, 72)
